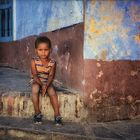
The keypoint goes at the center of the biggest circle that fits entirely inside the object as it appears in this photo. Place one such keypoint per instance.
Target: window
(5, 20)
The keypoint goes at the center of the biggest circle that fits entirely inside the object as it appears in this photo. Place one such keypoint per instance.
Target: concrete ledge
(18, 105)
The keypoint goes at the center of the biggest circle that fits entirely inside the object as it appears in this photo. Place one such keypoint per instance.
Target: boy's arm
(34, 72)
(50, 79)
(51, 75)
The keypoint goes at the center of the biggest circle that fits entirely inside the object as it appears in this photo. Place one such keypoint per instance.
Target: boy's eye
(43, 49)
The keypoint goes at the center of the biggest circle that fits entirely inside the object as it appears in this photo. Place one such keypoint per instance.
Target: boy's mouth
(43, 57)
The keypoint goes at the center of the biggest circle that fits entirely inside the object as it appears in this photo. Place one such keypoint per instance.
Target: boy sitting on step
(43, 71)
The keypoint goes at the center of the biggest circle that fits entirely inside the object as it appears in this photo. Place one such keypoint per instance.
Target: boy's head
(43, 47)
(42, 39)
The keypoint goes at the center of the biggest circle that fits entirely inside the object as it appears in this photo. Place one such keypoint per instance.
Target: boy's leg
(54, 100)
(35, 97)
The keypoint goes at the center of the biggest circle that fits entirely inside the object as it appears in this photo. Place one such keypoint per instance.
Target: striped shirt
(43, 71)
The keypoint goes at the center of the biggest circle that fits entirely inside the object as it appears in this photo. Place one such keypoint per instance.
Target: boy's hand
(44, 89)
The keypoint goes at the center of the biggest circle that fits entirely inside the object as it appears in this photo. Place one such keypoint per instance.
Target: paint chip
(133, 73)
(98, 65)
(27, 49)
(94, 91)
(103, 54)
(83, 82)
(137, 38)
(99, 75)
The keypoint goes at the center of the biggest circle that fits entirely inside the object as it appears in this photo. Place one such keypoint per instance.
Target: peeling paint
(98, 65)
(134, 11)
(111, 30)
(27, 50)
(99, 74)
(137, 38)
(130, 99)
(134, 73)
(83, 82)
(94, 91)
(103, 54)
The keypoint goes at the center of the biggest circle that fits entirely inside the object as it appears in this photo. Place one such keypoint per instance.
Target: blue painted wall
(112, 30)
(37, 16)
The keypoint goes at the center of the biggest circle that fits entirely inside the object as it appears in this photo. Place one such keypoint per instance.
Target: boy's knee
(35, 88)
(51, 91)
(50, 88)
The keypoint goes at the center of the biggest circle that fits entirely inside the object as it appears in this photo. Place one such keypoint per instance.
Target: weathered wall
(112, 88)
(112, 30)
(112, 33)
(46, 15)
(67, 50)
(111, 58)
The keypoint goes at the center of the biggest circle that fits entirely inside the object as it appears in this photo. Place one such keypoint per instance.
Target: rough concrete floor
(118, 130)
(13, 80)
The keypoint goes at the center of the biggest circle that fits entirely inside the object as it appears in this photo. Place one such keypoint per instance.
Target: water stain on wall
(111, 25)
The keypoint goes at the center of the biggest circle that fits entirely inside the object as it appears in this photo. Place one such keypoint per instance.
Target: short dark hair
(42, 39)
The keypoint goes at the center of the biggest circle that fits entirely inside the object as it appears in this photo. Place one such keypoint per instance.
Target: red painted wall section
(114, 77)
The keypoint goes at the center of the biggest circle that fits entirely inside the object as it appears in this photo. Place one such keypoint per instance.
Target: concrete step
(16, 104)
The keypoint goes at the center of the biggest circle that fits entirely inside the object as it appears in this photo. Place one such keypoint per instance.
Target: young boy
(43, 71)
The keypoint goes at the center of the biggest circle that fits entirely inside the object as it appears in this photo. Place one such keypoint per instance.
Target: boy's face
(43, 50)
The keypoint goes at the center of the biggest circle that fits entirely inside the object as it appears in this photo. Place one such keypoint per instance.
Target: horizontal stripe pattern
(43, 75)
(43, 71)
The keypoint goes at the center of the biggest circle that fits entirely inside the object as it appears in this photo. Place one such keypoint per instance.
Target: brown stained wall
(17, 54)
(122, 77)
(67, 50)
(112, 89)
